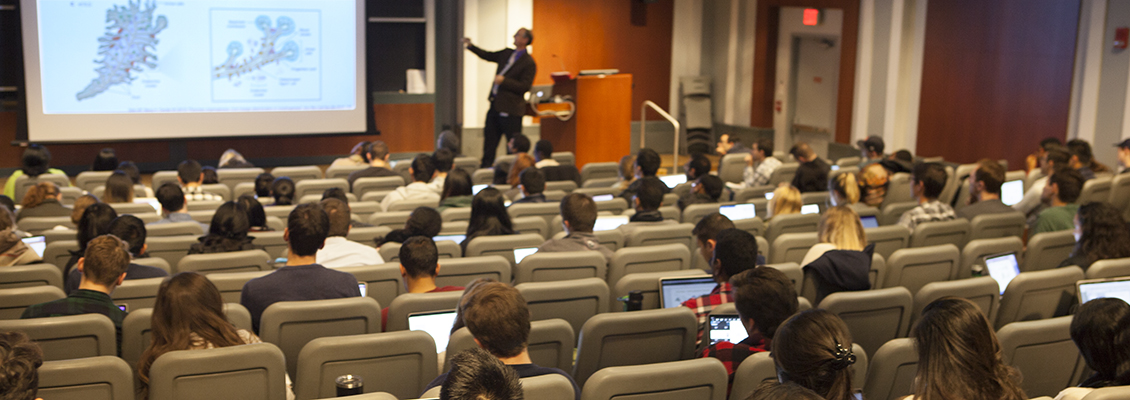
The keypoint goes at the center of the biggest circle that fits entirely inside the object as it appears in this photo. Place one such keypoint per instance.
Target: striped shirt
(702, 305)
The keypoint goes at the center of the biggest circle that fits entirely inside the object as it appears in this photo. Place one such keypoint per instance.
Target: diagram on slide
(265, 55)
(125, 46)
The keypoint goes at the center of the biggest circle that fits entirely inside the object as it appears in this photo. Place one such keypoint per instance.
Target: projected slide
(124, 47)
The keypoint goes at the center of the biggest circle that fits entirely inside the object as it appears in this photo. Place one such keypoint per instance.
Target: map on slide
(266, 55)
(125, 46)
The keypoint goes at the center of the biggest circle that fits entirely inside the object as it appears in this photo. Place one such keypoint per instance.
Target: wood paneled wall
(996, 77)
(595, 34)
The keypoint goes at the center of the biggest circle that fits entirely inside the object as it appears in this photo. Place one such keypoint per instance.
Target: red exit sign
(811, 17)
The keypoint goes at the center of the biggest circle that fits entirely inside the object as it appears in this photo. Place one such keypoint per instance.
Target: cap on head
(1125, 144)
(873, 144)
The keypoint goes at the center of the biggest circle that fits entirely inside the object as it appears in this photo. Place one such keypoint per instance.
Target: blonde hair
(37, 194)
(786, 200)
(627, 171)
(844, 185)
(840, 226)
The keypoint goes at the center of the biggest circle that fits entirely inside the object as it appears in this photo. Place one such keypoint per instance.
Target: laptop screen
(810, 209)
(673, 180)
(435, 323)
(476, 188)
(768, 195)
(1091, 289)
(453, 238)
(37, 244)
(603, 197)
(1012, 192)
(738, 211)
(726, 328)
(674, 291)
(869, 221)
(364, 287)
(522, 253)
(1003, 268)
(609, 222)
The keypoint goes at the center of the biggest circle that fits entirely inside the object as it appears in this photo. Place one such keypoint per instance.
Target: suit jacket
(511, 92)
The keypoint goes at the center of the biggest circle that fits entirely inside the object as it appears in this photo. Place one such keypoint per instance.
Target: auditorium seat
(660, 258)
(1120, 194)
(31, 275)
(393, 220)
(13, 302)
(292, 324)
(376, 184)
(530, 224)
(298, 173)
(730, 167)
(792, 247)
(600, 183)
(37, 224)
(575, 300)
(390, 252)
(234, 261)
(343, 171)
(376, 196)
(218, 189)
(231, 284)
(1038, 295)
(982, 291)
(700, 379)
(955, 232)
(898, 190)
(818, 198)
(461, 271)
(54, 235)
(154, 262)
(70, 194)
(892, 371)
(915, 267)
(783, 174)
(248, 188)
(59, 252)
(456, 214)
(279, 211)
(598, 191)
(254, 371)
(162, 177)
(975, 251)
(367, 235)
(202, 216)
(559, 266)
(988, 226)
(544, 210)
(749, 194)
(638, 338)
(190, 228)
(600, 170)
(1046, 250)
(89, 180)
(502, 245)
(231, 177)
(91, 378)
(1097, 189)
(661, 234)
(318, 186)
(458, 228)
(137, 326)
(791, 223)
(137, 293)
(647, 283)
(872, 316)
(1044, 353)
(314, 198)
(566, 186)
(482, 176)
(550, 344)
(466, 163)
(695, 212)
(412, 204)
(399, 363)
(132, 208)
(271, 241)
(892, 212)
(410, 303)
(616, 206)
(69, 337)
(1111, 268)
(23, 182)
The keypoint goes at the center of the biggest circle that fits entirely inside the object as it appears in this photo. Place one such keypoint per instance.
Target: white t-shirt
(340, 252)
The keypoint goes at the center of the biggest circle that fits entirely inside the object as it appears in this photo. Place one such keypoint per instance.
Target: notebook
(869, 221)
(603, 197)
(674, 291)
(1002, 267)
(453, 238)
(1012, 192)
(810, 209)
(435, 323)
(1090, 289)
(522, 253)
(609, 222)
(738, 211)
(726, 328)
(37, 244)
(673, 180)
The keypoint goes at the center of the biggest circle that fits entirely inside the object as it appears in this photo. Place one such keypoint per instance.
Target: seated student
(422, 171)
(10, 204)
(786, 200)
(210, 175)
(1099, 331)
(543, 154)
(1083, 159)
(728, 144)
(812, 174)
(263, 185)
(423, 221)
(35, 161)
(476, 374)
(174, 207)
(627, 163)
(842, 259)
(735, 252)
(20, 359)
(959, 356)
(1055, 157)
(338, 251)
(760, 163)
(844, 191)
(119, 188)
(227, 232)
(873, 182)
(1064, 187)
(646, 166)
(13, 251)
(1123, 155)
(871, 150)
(927, 183)
(444, 160)
(95, 222)
(774, 390)
(514, 174)
(447, 140)
(765, 298)
(256, 215)
(134, 175)
(457, 191)
(355, 157)
(813, 350)
(132, 231)
(499, 320)
(375, 154)
(985, 191)
(105, 160)
(706, 231)
(103, 267)
(647, 200)
(283, 190)
(341, 194)
(419, 266)
(1036, 160)
(191, 175)
(488, 216)
(704, 190)
(531, 185)
(43, 200)
(1100, 234)
(697, 167)
(302, 278)
(578, 214)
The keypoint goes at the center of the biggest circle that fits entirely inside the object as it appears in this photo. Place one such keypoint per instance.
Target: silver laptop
(725, 328)
(674, 291)
(1002, 267)
(1090, 289)
(1012, 192)
(37, 244)
(541, 93)
(453, 238)
(435, 323)
(738, 211)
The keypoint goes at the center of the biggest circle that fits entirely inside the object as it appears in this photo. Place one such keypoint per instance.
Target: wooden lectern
(601, 128)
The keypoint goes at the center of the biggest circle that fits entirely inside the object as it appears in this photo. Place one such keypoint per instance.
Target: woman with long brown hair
(189, 315)
(959, 356)
(813, 350)
(43, 200)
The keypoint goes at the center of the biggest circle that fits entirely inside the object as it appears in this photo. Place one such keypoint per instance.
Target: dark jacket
(630, 193)
(841, 271)
(510, 98)
(812, 176)
(533, 198)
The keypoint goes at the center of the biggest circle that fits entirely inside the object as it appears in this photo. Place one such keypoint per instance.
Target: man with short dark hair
(812, 174)
(706, 232)
(191, 176)
(302, 278)
(132, 231)
(531, 183)
(926, 184)
(174, 205)
(578, 215)
(647, 200)
(1082, 159)
(477, 375)
(871, 150)
(543, 154)
(339, 252)
(1054, 157)
(263, 185)
(765, 298)
(728, 144)
(1064, 187)
(985, 191)
(696, 167)
(444, 160)
(705, 190)
(422, 171)
(20, 359)
(1124, 155)
(1036, 159)
(760, 163)
(735, 252)
(498, 318)
(376, 155)
(103, 267)
(646, 166)
(419, 267)
(520, 143)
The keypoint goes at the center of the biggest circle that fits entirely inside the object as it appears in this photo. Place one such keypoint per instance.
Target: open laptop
(541, 93)
(1002, 267)
(1012, 192)
(869, 221)
(453, 238)
(768, 195)
(364, 287)
(810, 209)
(1090, 289)
(738, 211)
(603, 197)
(673, 180)
(37, 244)
(725, 328)
(435, 323)
(522, 253)
(609, 222)
(476, 188)
(674, 291)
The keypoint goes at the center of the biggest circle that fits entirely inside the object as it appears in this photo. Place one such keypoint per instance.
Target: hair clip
(844, 357)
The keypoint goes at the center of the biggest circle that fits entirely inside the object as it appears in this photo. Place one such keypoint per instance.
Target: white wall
(1102, 79)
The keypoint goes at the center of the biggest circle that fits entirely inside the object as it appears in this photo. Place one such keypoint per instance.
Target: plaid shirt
(703, 304)
(760, 176)
(732, 354)
(81, 301)
(929, 212)
(196, 193)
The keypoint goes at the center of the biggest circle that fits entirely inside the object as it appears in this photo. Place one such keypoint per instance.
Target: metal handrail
(669, 118)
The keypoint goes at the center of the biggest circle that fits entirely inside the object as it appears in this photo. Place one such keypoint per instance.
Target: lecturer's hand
(498, 79)
(466, 42)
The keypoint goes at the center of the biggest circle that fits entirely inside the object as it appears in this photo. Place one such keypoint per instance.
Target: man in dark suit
(515, 75)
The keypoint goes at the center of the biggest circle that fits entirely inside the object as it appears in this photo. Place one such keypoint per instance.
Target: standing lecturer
(515, 75)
